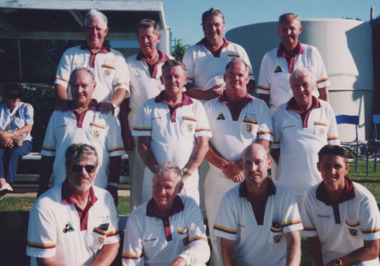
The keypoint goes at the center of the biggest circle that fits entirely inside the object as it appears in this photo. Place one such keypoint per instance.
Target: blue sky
(184, 16)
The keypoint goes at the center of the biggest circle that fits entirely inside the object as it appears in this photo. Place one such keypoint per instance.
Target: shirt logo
(220, 117)
(100, 241)
(95, 134)
(68, 228)
(277, 239)
(249, 128)
(107, 72)
(190, 127)
(353, 232)
(278, 69)
(321, 131)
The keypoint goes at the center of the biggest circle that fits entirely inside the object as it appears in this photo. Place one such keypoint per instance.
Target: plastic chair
(353, 120)
(376, 122)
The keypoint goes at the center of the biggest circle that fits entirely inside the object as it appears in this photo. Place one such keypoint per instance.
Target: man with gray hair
(168, 229)
(109, 66)
(74, 223)
(302, 126)
(82, 123)
(279, 63)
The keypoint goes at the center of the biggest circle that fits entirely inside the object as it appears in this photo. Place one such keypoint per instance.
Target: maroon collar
(290, 58)
(105, 50)
(153, 69)
(217, 52)
(186, 100)
(235, 109)
(259, 211)
(292, 105)
(348, 192)
(80, 117)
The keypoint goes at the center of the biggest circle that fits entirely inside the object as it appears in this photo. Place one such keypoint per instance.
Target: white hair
(94, 13)
(303, 72)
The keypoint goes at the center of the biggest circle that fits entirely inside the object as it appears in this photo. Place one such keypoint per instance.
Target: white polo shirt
(150, 240)
(111, 71)
(203, 66)
(173, 133)
(143, 84)
(258, 244)
(341, 227)
(92, 127)
(300, 141)
(274, 73)
(55, 227)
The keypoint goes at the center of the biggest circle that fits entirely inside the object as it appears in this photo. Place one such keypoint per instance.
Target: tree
(179, 50)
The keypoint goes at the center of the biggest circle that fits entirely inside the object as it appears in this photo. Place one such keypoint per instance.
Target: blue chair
(376, 122)
(353, 120)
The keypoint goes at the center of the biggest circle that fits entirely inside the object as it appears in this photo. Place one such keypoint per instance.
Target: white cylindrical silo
(346, 49)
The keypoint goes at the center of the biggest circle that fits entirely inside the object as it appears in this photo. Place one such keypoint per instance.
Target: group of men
(175, 114)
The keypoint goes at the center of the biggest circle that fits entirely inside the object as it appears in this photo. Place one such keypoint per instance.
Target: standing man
(168, 229)
(258, 221)
(82, 123)
(279, 63)
(301, 128)
(109, 66)
(206, 60)
(236, 120)
(341, 218)
(172, 127)
(144, 72)
(74, 223)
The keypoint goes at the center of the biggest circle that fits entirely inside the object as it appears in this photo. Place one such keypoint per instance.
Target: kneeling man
(341, 218)
(258, 221)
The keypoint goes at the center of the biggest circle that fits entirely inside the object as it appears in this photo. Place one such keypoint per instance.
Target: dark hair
(235, 61)
(333, 150)
(212, 12)
(79, 151)
(148, 23)
(11, 87)
(173, 63)
(286, 16)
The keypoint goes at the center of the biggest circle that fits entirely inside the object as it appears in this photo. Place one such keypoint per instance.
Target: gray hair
(303, 72)
(148, 23)
(169, 167)
(286, 16)
(236, 61)
(80, 151)
(212, 12)
(75, 72)
(172, 63)
(93, 13)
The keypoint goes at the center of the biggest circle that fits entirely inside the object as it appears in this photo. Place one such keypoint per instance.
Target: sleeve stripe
(370, 230)
(332, 137)
(200, 237)
(182, 232)
(352, 224)
(108, 66)
(112, 233)
(120, 148)
(202, 129)
(322, 80)
(97, 230)
(191, 118)
(289, 223)
(276, 141)
(142, 128)
(190, 78)
(61, 78)
(320, 123)
(263, 88)
(264, 132)
(250, 121)
(309, 228)
(97, 125)
(132, 256)
(225, 229)
(41, 246)
(119, 83)
(46, 148)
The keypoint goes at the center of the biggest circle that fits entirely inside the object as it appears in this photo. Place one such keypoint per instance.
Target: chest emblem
(321, 131)
(278, 69)
(68, 228)
(100, 241)
(107, 72)
(96, 134)
(277, 239)
(220, 117)
(249, 128)
(190, 128)
(353, 232)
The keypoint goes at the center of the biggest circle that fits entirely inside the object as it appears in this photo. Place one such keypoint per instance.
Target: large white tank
(346, 49)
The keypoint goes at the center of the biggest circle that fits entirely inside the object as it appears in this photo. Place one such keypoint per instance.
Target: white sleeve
(264, 84)
(133, 250)
(202, 127)
(143, 122)
(113, 230)
(277, 128)
(320, 71)
(64, 69)
(309, 229)
(369, 217)
(50, 143)
(226, 225)
(332, 132)
(115, 146)
(244, 56)
(265, 130)
(188, 60)
(121, 78)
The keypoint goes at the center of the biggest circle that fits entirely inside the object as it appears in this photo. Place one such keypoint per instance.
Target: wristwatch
(186, 171)
(338, 262)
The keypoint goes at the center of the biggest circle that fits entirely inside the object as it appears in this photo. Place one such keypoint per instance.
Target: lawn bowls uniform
(341, 227)
(275, 72)
(150, 240)
(144, 84)
(299, 140)
(90, 127)
(57, 227)
(173, 133)
(259, 237)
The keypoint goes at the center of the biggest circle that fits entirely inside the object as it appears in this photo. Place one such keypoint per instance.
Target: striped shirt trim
(46, 148)
(108, 66)
(263, 88)
(332, 137)
(41, 246)
(275, 230)
(309, 228)
(276, 141)
(101, 232)
(132, 256)
(190, 118)
(250, 121)
(61, 78)
(113, 233)
(97, 125)
(225, 229)
(182, 232)
(202, 129)
(260, 132)
(234, 55)
(370, 230)
(320, 123)
(190, 78)
(352, 224)
(292, 222)
(200, 237)
(142, 128)
(119, 148)
(322, 80)
(119, 83)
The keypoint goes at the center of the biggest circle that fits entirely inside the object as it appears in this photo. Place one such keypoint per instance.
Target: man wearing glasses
(82, 123)
(74, 223)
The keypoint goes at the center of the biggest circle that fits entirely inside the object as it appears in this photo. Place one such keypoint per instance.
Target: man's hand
(129, 141)
(106, 107)
(62, 105)
(113, 191)
(179, 262)
(213, 92)
(233, 171)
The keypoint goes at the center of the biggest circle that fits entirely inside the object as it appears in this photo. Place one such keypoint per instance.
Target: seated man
(255, 217)
(340, 217)
(74, 223)
(168, 229)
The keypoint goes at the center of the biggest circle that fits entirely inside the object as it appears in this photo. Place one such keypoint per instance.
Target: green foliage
(179, 50)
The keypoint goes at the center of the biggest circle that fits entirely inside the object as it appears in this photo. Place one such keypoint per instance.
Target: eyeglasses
(77, 168)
